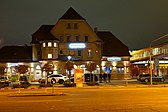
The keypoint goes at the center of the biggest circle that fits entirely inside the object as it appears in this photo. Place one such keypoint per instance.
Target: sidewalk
(112, 83)
(132, 83)
(35, 90)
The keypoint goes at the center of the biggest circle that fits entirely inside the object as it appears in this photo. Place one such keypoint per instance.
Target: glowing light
(69, 57)
(114, 59)
(114, 64)
(77, 45)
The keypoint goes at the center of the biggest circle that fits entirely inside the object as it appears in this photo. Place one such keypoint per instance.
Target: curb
(10, 88)
(35, 94)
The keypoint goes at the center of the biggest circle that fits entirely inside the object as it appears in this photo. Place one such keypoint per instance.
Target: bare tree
(21, 69)
(69, 66)
(2, 70)
(91, 67)
(48, 67)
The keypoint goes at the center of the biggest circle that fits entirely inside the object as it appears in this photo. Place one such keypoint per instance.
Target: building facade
(159, 55)
(71, 38)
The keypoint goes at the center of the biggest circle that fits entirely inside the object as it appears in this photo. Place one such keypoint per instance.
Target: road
(114, 99)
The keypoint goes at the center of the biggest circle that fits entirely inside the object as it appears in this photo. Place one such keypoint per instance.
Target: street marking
(37, 101)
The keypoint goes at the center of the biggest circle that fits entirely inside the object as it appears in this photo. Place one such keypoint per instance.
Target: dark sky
(135, 22)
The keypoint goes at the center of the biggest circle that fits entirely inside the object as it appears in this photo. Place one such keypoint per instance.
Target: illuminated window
(76, 26)
(44, 44)
(49, 44)
(89, 53)
(120, 70)
(49, 56)
(79, 52)
(55, 44)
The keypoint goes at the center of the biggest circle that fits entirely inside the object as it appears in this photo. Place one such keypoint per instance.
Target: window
(76, 26)
(61, 38)
(77, 38)
(89, 53)
(79, 52)
(68, 25)
(49, 44)
(55, 44)
(49, 56)
(39, 53)
(120, 70)
(72, 52)
(68, 38)
(61, 52)
(86, 38)
(44, 45)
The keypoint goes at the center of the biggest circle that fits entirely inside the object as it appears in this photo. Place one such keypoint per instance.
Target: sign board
(114, 59)
(77, 45)
(79, 77)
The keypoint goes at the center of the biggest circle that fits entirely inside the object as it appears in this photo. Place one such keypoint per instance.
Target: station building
(71, 38)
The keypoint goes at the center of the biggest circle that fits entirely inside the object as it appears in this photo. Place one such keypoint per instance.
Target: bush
(22, 85)
(45, 85)
(13, 79)
(69, 84)
(2, 85)
(92, 84)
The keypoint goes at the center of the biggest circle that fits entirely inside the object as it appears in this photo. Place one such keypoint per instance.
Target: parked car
(87, 78)
(55, 78)
(146, 78)
(4, 81)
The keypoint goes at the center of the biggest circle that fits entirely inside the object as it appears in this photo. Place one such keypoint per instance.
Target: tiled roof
(71, 14)
(43, 33)
(112, 46)
(16, 54)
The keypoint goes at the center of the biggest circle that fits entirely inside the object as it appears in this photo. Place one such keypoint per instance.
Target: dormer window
(49, 44)
(44, 45)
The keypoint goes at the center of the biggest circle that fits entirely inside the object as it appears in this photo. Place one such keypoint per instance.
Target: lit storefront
(140, 60)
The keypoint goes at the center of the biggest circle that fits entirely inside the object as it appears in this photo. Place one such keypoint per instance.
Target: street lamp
(150, 56)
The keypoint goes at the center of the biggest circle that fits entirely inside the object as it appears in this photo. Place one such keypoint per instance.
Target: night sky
(135, 22)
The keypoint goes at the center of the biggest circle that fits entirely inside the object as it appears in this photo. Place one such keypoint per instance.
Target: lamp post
(150, 56)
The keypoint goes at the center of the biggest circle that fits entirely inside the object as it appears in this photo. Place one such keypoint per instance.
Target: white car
(57, 78)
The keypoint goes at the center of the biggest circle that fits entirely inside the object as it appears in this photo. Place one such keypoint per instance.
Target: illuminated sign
(114, 59)
(77, 45)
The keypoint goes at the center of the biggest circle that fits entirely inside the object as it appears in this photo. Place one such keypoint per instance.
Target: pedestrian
(105, 77)
(109, 77)
(100, 78)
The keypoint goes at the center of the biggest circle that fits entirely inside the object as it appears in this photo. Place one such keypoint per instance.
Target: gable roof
(42, 34)
(16, 54)
(71, 14)
(112, 46)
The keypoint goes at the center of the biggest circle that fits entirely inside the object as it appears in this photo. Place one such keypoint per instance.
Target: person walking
(109, 77)
(105, 77)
